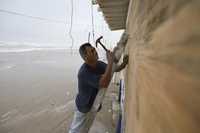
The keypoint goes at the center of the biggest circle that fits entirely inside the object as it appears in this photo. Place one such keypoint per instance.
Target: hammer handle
(103, 47)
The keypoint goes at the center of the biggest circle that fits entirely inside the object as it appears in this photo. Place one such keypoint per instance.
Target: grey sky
(15, 28)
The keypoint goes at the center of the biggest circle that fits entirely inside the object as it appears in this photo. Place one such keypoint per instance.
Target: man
(92, 75)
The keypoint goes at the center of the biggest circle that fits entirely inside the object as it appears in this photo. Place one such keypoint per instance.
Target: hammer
(99, 41)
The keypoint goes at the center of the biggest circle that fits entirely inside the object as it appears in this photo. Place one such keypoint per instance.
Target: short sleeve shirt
(88, 85)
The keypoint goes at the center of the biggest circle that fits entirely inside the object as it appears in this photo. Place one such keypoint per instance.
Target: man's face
(91, 54)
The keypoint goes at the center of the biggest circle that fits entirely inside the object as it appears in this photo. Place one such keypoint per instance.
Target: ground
(37, 92)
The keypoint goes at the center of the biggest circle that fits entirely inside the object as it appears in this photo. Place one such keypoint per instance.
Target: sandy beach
(37, 91)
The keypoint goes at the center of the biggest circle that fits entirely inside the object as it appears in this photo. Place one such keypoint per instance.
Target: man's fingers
(125, 59)
(91, 53)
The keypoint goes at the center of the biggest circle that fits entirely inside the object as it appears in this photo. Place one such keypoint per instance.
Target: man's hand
(123, 65)
(125, 59)
(109, 56)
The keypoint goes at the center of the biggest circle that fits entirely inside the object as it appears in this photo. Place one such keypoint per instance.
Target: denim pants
(82, 122)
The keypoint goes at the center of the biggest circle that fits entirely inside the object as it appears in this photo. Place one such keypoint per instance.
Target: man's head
(88, 53)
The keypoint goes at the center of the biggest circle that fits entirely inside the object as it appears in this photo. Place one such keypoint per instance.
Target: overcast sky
(54, 29)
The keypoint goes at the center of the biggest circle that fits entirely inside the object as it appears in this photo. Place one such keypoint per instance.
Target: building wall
(163, 75)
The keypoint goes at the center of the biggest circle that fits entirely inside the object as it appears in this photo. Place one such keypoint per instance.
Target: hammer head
(98, 40)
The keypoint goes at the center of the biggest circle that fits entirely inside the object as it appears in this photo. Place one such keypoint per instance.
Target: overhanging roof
(115, 12)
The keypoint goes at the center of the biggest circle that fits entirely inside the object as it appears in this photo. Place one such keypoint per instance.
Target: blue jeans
(82, 121)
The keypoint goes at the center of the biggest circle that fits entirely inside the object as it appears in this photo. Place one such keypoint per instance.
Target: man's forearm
(106, 77)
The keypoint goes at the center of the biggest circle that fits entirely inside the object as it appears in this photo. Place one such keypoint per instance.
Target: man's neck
(92, 64)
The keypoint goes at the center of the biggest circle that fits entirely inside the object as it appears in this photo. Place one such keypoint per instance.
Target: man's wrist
(110, 62)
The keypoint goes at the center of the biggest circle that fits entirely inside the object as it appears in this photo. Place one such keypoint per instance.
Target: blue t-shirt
(88, 85)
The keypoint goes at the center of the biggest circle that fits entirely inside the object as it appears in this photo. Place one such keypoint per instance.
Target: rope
(30, 16)
(71, 25)
(89, 37)
(92, 16)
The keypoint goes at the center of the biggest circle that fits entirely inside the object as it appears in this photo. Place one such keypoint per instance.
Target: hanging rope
(32, 17)
(89, 37)
(71, 25)
(92, 16)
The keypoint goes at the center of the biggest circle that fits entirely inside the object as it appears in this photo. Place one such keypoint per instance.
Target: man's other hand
(125, 59)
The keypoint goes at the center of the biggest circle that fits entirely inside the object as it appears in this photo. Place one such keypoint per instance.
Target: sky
(47, 23)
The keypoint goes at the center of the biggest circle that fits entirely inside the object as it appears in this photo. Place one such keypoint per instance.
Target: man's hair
(82, 49)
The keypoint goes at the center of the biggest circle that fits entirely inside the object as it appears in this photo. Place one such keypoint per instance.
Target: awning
(115, 12)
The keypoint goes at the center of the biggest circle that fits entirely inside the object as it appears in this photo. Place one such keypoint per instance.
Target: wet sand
(37, 91)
